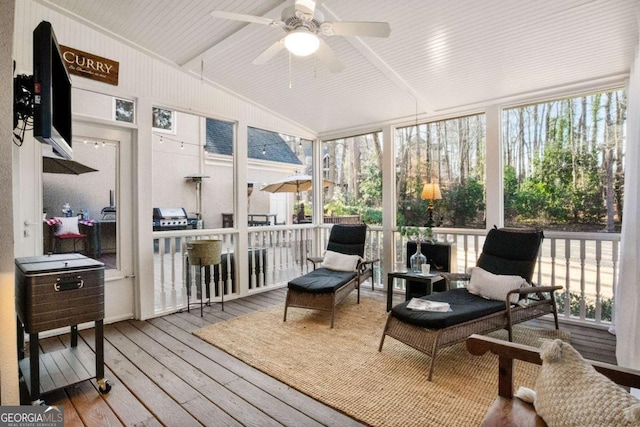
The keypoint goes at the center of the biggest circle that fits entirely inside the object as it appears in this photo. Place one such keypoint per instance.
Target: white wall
(172, 161)
(148, 82)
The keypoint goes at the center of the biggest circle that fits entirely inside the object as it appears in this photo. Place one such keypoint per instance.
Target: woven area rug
(342, 366)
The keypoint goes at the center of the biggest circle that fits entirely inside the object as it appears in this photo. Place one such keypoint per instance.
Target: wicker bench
(508, 410)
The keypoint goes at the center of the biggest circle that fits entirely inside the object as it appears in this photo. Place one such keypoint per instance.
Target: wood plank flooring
(163, 375)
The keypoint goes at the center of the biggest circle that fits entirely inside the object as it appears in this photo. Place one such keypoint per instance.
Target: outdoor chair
(509, 410)
(66, 230)
(500, 294)
(340, 271)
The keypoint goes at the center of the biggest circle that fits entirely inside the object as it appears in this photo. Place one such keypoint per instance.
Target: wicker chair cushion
(509, 251)
(322, 281)
(348, 239)
(464, 307)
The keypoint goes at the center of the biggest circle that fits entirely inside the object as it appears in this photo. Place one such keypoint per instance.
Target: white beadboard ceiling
(441, 57)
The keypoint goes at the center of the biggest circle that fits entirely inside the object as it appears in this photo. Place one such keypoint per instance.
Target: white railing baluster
(553, 261)
(614, 261)
(465, 244)
(163, 292)
(598, 313)
(583, 301)
(567, 281)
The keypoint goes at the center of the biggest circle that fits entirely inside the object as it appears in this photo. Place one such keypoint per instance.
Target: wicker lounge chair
(323, 288)
(505, 252)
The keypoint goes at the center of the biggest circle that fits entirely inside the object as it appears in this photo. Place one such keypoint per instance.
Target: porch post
(241, 205)
(388, 199)
(494, 187)
(318, 196)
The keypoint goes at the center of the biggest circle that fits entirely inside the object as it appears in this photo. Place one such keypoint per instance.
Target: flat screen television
(51, 92)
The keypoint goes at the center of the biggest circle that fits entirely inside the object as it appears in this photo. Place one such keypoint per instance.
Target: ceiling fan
(303, 25)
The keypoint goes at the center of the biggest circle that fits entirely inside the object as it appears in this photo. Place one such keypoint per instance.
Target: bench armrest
(315, 260)
(508, 351)
(366, 264)
(535, 289)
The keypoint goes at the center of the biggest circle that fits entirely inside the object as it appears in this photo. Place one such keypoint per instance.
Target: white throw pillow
(494, 286)
(340, 262)
(67, 225)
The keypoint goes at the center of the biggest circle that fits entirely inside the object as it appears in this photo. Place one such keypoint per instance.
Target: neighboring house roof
(220, 141)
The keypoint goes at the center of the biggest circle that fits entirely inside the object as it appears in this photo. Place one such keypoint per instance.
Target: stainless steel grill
(170, 219)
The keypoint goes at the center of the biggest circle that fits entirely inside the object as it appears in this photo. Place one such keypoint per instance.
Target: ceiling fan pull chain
(290, 85)
(315, 66)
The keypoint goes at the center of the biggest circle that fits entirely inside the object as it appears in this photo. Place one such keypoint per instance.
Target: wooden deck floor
(163, 375)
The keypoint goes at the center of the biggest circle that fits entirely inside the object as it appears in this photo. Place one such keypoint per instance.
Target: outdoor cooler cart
(54, 291)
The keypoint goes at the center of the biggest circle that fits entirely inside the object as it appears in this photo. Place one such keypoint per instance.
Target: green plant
(606, 305)
(421, 233)
(371, 216)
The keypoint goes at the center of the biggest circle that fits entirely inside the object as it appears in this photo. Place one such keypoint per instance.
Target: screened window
(564, 163)
(354, 166)
(451, 154)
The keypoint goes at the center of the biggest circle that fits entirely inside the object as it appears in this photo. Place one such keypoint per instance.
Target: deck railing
(585, 264)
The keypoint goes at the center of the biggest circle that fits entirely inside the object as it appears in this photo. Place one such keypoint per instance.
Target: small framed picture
(123, 110)
(164, 120)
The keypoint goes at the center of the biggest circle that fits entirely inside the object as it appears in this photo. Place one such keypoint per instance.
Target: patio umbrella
(293, 184)
(54, 164)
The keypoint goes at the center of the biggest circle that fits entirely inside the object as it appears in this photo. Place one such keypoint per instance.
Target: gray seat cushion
(321, 281)
(464, 307)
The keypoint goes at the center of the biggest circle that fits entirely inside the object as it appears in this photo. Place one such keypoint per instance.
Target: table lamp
(431, 192)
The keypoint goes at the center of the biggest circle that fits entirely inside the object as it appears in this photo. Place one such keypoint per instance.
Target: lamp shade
(431, 191)
(204, 252)
(301, 42)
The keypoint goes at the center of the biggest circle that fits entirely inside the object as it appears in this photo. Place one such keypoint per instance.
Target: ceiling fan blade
(345, 28)
(307, 7)
(269, 53)
(242, 17)
(328, 57)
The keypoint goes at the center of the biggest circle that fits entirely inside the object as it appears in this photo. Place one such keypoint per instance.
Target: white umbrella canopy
(293, 184)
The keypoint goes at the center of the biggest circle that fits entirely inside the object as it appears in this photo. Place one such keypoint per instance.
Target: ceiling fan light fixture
(301, 42)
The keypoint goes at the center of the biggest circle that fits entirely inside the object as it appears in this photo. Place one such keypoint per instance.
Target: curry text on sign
(90, 66)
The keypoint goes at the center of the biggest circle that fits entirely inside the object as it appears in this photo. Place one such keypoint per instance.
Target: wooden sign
(90, 66)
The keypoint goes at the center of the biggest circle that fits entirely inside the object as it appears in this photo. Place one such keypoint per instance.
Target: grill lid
(170, 218)
(169, 213)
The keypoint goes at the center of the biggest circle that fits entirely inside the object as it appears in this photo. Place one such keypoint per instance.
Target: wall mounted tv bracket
(22, 104)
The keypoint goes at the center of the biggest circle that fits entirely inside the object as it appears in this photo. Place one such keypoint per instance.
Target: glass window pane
(451, 154)
(276, 159)
(89, 197)
(354, 165)
(564, 163)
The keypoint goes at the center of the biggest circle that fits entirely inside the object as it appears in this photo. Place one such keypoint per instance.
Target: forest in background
(563, 167)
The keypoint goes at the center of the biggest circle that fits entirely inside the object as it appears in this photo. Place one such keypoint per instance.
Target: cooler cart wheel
(104, 386)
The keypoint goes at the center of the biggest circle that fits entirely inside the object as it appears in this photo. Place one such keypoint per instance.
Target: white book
(426, 305)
